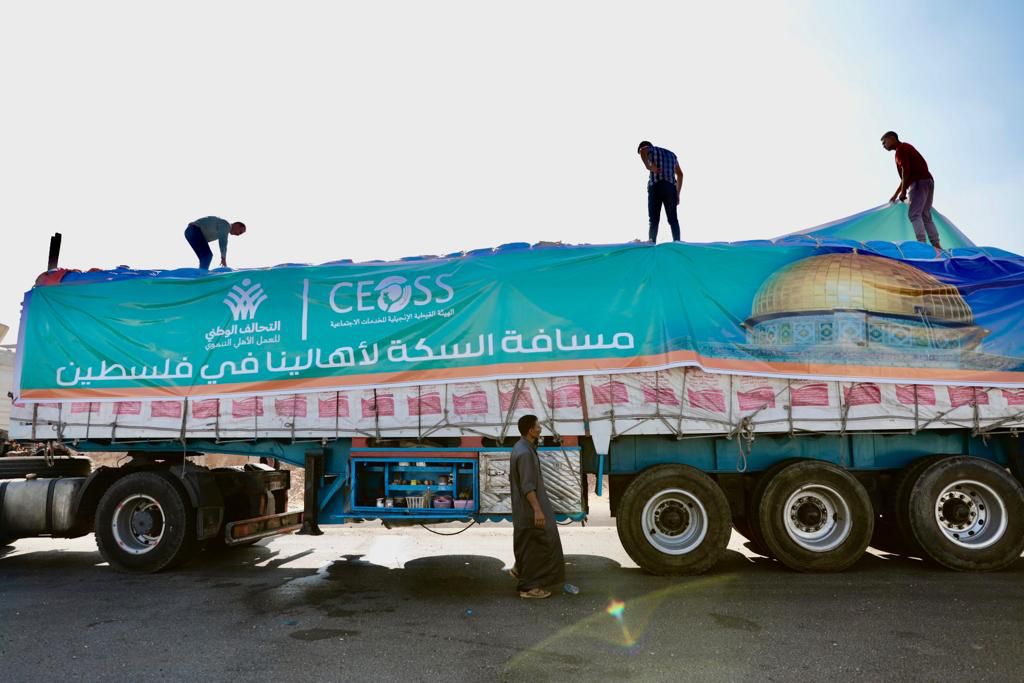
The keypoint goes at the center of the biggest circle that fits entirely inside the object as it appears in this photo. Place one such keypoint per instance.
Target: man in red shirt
(918, 182)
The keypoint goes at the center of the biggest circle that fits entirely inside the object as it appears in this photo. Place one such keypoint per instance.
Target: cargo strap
(3, 492)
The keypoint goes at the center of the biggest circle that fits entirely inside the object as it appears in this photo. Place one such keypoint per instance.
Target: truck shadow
(453, 576)
(874, 561)
(452, 573)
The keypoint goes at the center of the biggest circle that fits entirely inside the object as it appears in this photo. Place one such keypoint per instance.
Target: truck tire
(20, 466)
(674, 519)
(753, 521)
(816, 517)
(892, 529)
(967, 514)
(145, 523)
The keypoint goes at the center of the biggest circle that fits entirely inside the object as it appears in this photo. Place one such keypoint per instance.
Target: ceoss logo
(391, 294)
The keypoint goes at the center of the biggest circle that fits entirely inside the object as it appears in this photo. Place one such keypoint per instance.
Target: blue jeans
(199, 245)
(659, 194)
(920, 212)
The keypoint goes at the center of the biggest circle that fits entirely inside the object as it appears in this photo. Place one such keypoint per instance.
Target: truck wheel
(892, 530)
(816, 516)
(753, 521)
(18, 467)
(674, 519)
(145, 523)
(968, 514)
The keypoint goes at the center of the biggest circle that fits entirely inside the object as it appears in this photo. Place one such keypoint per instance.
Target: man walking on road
(202, 231)
(540, 563)
(916, 180)
(663, 187)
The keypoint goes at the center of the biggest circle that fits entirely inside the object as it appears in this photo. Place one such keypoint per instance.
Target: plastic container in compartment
(443, 502)
(463, 504)
(414, 501)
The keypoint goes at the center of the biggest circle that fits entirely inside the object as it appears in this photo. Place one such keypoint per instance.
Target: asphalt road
(362, 603)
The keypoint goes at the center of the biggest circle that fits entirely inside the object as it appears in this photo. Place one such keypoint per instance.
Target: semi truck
(820, 393)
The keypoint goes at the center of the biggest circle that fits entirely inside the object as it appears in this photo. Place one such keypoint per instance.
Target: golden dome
(860, 282)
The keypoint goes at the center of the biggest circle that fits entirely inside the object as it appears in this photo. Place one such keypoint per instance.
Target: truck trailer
(820, 392)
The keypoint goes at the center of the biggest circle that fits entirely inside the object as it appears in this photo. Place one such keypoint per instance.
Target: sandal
(535, 593)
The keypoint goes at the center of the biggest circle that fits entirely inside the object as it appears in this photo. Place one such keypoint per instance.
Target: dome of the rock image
(859, 299)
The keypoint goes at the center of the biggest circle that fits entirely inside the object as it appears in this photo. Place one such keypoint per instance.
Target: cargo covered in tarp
(802, 306)
(836, 331)
(675, 402)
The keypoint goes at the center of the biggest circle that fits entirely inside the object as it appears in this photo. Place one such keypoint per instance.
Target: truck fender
(88, 498)
(206, 498)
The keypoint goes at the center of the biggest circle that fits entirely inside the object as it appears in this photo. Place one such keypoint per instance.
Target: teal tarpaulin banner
(829, 310)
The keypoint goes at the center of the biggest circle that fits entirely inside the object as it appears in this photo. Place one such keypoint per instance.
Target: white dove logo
(243, 300)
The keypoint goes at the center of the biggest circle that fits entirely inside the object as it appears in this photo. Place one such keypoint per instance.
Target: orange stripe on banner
(639, 363)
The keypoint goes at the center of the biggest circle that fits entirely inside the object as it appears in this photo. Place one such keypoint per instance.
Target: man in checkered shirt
(663, 187)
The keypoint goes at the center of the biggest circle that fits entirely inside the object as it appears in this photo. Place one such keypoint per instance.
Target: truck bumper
(248, 530)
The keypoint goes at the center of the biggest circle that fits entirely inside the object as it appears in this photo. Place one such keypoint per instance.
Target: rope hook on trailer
(746, 435)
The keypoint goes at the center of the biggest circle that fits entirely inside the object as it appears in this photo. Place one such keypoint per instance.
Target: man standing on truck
(202, 231)
(916, 180)
(663, 187)
(540, 563)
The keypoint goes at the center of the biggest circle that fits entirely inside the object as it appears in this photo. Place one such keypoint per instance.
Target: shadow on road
(747, 616)
(451, 576)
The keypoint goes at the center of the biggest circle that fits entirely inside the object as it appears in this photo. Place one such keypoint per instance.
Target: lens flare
(613, 626)
(617, 609)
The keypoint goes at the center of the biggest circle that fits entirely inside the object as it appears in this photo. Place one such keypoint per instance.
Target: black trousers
(659, 194)
(539, 558)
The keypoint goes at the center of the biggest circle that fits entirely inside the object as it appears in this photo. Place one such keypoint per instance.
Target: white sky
(380, 130)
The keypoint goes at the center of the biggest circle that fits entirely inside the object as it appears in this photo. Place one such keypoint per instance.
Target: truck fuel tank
(33, 507)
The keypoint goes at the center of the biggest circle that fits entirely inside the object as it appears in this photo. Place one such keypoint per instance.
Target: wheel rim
(970, 514)
(817, 518)
(138, 524)
(674, 521)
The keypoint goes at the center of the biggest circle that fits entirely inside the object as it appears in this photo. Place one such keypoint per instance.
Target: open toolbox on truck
(421, 486)
(455, 483)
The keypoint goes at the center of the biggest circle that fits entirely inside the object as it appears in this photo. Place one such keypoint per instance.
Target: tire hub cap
(817, 518)
(671, 518)
(809, 514)
(970, 514)
(143, 523)
(674, 521)
(138, 524)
